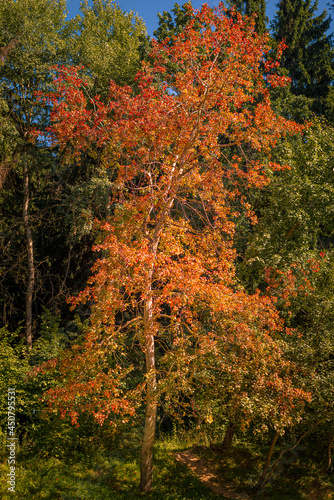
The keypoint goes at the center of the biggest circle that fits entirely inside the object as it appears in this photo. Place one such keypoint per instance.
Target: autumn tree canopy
(164, 283)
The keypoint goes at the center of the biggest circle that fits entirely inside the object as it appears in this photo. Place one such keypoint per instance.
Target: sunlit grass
(110, 475)
(112, 472)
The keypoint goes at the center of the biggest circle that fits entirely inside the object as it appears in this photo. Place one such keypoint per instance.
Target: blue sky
(148, 9)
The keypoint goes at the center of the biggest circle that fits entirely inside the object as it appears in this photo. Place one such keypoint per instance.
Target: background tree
(110, 42)
(35, 27)
(309, 55)
(291, 249)
(55, 211)
(250, 7)
(172, 25)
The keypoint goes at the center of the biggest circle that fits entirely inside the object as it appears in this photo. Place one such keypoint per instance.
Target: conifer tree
(250, 7)
(309, 55)
(172, 25)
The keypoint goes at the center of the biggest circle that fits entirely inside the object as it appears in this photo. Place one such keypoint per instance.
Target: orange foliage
(167, 248)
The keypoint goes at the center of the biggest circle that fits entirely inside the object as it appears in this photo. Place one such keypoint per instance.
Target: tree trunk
(329, 451)
(30, 257)
(266, 465)
(229, 435)
(146, 456)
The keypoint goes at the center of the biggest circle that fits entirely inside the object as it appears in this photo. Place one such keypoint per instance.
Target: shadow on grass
(103, 477)
(111, 471)
(241, 468)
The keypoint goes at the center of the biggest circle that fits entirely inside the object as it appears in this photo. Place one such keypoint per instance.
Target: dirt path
(207, 475)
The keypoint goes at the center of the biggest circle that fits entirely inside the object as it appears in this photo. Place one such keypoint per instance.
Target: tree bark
(268, 460)
(229, 435)
(30, 257)
(146, 456)
(329, 454)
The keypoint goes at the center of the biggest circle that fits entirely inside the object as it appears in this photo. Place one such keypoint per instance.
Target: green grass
(105, 472)
(113, 474)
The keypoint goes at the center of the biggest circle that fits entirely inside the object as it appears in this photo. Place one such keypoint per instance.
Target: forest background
(231, 348)
(148, 11)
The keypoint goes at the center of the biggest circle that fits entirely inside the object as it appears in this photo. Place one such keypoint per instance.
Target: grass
(107, 472)
(110, 474)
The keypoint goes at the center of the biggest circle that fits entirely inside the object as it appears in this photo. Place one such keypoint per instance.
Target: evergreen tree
(309, 56)
(250, 7)
(172, 25)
